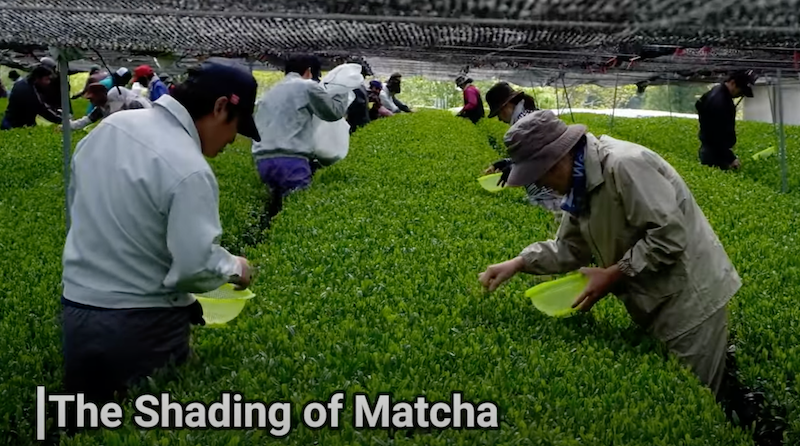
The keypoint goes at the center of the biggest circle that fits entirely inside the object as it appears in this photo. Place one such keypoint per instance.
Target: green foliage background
(420, 92)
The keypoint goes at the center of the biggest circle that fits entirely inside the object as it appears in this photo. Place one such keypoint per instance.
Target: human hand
(243, 281)
(736, 164)
(495, 275)
(600, 282)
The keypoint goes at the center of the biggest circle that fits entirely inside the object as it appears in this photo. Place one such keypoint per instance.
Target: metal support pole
(566, 96)
(63, 70)
(773, 112)
(614, 105)
(781, 136)
(669, 98)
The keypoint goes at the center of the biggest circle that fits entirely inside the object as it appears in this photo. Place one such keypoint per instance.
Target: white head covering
(49, 63)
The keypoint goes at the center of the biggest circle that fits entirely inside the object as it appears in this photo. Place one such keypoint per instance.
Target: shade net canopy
(602, 40)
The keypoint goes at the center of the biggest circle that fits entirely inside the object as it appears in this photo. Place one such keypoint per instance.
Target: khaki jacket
(641, 216)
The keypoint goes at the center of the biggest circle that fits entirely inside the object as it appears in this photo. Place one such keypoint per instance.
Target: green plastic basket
(489, 182)
(223, 304)
(555, 298)
(764, 153)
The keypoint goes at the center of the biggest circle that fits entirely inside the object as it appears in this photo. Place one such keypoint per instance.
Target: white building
(760, 108)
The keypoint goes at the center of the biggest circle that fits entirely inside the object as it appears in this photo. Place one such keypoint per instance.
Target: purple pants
(285, 174)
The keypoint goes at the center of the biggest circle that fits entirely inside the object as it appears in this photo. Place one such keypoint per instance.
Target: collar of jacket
(174, 108)
(592, 163)
(723, 89)
(518, 109)
(520, 112)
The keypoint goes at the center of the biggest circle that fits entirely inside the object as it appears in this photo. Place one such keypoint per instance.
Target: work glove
(196, 313)
(504, 166)
(504, 177)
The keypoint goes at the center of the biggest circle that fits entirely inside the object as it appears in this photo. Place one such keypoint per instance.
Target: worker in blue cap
(145, 230)
(376, 97)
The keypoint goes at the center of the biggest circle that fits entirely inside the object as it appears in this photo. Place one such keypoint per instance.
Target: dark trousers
(106, 351)
(715, 157)
(703, 350)
(277, 194)
(275, 205)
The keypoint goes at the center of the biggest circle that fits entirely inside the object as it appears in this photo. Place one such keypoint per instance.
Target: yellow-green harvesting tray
(555, 298)
(223, 304)
(764, 153)
(489, 182)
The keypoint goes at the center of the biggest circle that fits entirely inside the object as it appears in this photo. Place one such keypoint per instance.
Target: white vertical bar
(41, 400)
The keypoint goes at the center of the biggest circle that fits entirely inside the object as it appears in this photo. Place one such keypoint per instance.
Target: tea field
(368, 283)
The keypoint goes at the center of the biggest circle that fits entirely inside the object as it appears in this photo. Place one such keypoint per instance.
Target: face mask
(541, 196)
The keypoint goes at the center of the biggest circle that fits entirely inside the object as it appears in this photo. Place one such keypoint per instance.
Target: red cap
(143, 71)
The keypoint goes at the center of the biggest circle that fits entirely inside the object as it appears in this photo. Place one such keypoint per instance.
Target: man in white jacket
(108, 102)
(145, 230)
(285, 119)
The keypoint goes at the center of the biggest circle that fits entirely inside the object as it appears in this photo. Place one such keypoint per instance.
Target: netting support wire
(63, 69)
(558, 104)
(533, 92)
(781, 135)
(614, 105)
(108, 69)
(566, 97)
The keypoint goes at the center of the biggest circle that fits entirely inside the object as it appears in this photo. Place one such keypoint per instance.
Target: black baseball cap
(228, 78)
(744, 81)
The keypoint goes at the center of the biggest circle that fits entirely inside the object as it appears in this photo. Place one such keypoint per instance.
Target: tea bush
(368, 283)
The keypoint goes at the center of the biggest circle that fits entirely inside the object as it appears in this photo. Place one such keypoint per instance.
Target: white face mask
(538, 195)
